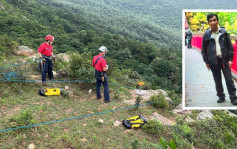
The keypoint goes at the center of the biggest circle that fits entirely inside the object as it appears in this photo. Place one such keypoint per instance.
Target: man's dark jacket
(209, 47)
(189, 35)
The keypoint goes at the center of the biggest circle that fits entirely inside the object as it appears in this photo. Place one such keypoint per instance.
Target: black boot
(221, 99)
(234, 101)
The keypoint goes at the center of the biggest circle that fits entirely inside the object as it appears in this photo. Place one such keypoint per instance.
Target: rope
(20, 64)
(83, 116)
(34, 81)
(8, 79)
(70, 81)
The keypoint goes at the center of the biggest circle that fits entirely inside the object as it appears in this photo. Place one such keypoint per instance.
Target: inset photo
(209, 59)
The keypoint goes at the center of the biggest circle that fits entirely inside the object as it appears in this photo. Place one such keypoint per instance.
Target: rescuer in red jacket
(101, 68)
(45, 52)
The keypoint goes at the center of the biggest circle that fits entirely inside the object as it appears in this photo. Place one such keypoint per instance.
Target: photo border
(183, 59)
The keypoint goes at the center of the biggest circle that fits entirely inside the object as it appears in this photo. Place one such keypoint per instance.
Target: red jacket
(100, 64)
(45, 49)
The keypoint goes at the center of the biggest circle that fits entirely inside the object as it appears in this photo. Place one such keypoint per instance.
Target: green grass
(70, 133)
(17, 98)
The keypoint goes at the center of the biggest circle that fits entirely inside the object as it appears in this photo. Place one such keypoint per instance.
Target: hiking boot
(98, 98)
(234, 101)
(106, 101)
(220, 100)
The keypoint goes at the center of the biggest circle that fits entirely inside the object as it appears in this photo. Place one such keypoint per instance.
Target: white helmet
(103, 49)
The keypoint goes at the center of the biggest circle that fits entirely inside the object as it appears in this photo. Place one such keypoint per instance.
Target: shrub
(186, 131)
(62, 66)
(81, 66)
(180, 120)
(175, 97)
(225, 119)
(183, 136)
(159, 101)
(165, 145)
(218, 132)
(7, 46)
(113, 65)
(138, 101)
(212, 134)
(125, 77)
(153, 127)
(22, 119)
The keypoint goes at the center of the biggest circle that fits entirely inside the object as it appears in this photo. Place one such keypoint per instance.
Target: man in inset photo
(217, 52)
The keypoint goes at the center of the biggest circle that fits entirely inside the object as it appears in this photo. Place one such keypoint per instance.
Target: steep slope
(27, 23)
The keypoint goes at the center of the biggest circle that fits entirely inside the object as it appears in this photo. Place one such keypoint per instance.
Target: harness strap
(47, 57)
(98, 59)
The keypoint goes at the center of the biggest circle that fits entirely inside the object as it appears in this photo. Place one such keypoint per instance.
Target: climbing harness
(102, 74)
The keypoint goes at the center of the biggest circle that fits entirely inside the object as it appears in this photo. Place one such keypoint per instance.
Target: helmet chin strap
(49, 42)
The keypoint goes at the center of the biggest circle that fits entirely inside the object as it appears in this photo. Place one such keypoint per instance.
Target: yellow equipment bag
(50, 92)
(135, 122)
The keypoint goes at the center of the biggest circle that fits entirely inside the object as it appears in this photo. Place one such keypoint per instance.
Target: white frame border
(183, 59)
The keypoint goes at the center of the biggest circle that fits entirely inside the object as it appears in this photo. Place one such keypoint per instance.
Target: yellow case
(137, 121)
(133, 118)
(53, 91)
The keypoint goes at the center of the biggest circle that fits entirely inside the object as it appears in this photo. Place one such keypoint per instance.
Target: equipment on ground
(135, 122)
(11, 75)
(50, 92)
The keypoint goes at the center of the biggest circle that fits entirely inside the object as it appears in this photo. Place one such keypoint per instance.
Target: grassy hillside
(138, 51)
(21, 105)
(29, 108)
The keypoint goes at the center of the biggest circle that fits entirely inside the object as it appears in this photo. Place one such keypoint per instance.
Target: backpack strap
(98, 59)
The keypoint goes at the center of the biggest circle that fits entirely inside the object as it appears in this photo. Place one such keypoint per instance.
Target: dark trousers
(105, 84)
(216, 71)
(189, 44)
(47, 68)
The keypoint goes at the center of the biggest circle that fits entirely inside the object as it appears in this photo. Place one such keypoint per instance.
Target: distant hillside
(154, 21)
(120, 21)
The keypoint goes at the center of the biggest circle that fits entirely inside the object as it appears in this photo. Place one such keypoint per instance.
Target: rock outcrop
(204, 115)
(63, 56)
(162, 119)
(24, 50)
(147, 95)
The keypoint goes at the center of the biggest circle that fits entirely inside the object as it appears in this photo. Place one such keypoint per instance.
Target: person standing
(45, 52)
(217, 52)
(189, 38)
(101, 68)
(185, 38)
